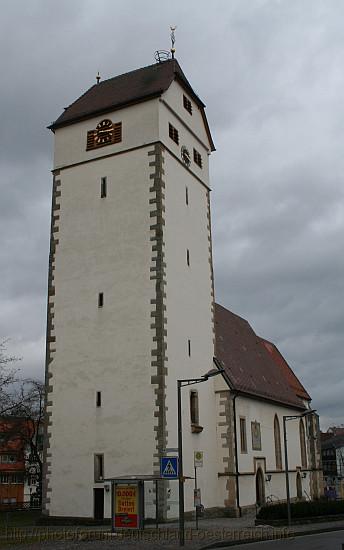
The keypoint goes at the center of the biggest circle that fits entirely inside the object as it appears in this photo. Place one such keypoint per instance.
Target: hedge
(302, 509)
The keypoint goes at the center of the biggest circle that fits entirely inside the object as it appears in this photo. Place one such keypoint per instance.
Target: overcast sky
(271, 75)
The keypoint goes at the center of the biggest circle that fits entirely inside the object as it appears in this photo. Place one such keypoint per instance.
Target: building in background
(12, 466)
(19, 469)
(332, 452)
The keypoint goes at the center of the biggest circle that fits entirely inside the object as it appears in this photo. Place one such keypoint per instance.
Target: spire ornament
(173, 39)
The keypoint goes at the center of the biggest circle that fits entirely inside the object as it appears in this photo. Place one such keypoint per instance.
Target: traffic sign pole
(180, 456)
(195, 494)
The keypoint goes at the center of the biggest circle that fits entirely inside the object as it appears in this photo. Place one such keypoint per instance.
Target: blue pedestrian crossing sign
(169, 467)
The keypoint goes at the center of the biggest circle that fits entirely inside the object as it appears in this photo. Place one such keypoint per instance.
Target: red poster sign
(126, 511)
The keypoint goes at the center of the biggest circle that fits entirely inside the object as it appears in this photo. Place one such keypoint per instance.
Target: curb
(224, 544)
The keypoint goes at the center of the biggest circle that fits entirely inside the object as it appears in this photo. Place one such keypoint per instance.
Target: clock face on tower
(185, 156)
(104, 131)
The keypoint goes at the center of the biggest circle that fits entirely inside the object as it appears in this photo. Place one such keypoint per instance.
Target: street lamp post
(180, 465)
(285, 419)
(180, 385)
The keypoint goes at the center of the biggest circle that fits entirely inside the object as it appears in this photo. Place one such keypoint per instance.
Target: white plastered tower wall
(189, 295)
(131, 246)
(103, 246)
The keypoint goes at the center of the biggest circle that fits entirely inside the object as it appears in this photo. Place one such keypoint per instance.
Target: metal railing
(20, 506)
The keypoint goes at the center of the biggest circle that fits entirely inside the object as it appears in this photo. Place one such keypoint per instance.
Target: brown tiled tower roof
(127, 89)
(249, 367)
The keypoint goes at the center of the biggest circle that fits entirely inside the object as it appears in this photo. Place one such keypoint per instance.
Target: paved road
(166, 538)
(322, 541)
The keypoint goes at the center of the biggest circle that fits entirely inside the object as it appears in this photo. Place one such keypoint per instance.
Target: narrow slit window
(189, 348)
(98, 467)
(100, 299)
(277, 439)
(243, 436)
(197, 158)
(188, 257)
(187, 104)
(186, 196)
(103, 188)
(99, 399)
(194, 408)
(173, 133)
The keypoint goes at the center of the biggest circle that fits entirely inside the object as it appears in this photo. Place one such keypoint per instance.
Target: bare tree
(8, 377)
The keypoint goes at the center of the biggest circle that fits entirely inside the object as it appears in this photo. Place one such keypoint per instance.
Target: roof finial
(173, 39)
(98, 78)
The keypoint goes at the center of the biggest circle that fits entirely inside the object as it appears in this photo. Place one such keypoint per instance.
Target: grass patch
(25, 518)
(302, 509)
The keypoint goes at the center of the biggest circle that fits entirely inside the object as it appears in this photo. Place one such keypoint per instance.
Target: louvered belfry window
(106, 133)
(187, 104)
(173, 133)
(197, 158)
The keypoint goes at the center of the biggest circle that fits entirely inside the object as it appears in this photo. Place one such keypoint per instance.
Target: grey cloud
(271, 75)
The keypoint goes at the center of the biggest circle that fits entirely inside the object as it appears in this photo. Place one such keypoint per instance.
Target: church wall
(264, 413)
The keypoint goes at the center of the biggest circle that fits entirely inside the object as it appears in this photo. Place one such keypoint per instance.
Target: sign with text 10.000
(126, 510)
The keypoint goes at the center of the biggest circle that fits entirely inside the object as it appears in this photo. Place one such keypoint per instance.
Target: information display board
(127, 507)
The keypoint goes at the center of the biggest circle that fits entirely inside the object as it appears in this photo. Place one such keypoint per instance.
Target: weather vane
(173, 39)
(98, 78)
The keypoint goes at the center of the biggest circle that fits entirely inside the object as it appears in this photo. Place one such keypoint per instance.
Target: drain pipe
(236, 457)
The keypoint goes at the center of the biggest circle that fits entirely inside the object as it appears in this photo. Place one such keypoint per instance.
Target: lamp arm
(186, 382)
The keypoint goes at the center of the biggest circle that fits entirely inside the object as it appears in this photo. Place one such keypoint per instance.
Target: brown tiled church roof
(293, 381)
(249, 366)
(128, 89)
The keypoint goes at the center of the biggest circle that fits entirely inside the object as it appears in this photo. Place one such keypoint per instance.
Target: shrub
(302, 509)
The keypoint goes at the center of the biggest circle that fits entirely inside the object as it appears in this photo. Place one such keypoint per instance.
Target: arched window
(277, 437)
(303, 444)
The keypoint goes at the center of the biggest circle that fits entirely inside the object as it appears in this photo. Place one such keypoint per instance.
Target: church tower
(130, 297)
